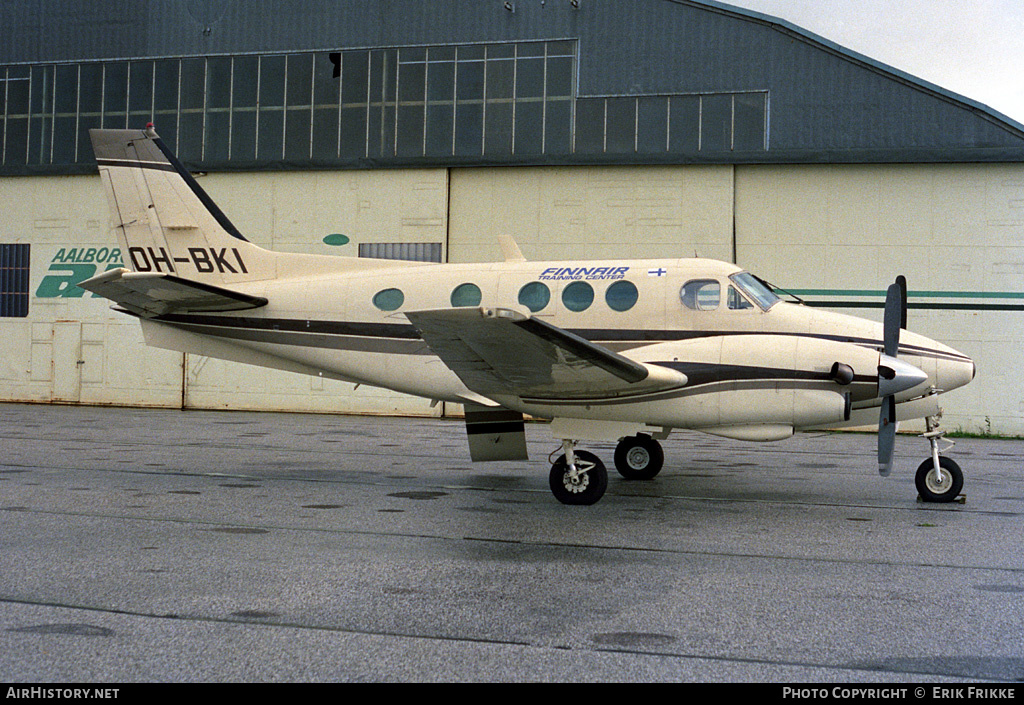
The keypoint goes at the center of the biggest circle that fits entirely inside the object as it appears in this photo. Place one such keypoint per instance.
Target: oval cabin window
(535, 296)
(621, 296)
(389, 299)
(466, 295)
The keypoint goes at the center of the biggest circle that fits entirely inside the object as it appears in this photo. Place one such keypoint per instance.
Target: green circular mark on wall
(336, 239)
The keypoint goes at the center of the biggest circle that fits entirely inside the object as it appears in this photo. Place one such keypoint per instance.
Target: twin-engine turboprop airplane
(621, 350)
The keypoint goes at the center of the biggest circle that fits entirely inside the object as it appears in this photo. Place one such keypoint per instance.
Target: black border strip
(587, 336)
(254, 301)
(135, 164)
(687, 391)
(203, 197)
(295, 325)
(474, 429)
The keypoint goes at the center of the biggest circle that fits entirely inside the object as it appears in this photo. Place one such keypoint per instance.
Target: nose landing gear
(578, 477)
(939, 478)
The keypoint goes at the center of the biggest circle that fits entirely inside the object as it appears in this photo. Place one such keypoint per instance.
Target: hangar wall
(592, 212)
(831, 234)
(841, 234)
(72, 348)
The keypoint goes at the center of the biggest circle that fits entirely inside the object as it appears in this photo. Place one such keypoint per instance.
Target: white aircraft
(619, 350)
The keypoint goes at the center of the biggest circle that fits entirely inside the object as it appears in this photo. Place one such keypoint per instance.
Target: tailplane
(165, 221)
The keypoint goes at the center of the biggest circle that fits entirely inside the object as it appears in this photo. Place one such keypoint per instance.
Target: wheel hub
(638, 458)
(937, 485)
(577, 483)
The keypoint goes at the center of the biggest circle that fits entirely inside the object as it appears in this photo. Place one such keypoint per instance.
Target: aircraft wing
(150, 294)
(500, 352)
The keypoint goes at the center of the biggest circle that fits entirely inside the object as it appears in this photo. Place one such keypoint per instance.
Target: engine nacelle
(769, 415)
(762, 387)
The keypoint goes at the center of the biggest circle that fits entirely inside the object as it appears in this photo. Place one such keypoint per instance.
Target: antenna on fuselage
(510, 249)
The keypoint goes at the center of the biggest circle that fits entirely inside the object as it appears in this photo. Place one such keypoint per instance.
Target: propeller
(894, 375)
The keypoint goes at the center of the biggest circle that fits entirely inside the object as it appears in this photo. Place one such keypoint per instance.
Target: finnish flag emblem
(659, 272)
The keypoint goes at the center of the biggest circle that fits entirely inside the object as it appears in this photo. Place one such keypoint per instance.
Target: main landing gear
(939, 478)
(639, 457)
(579, 477)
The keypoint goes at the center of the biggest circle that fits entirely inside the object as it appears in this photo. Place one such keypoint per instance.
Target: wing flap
(500, 351)
(151, 294)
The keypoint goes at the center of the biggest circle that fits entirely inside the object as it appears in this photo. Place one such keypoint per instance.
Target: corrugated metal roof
(827, 103)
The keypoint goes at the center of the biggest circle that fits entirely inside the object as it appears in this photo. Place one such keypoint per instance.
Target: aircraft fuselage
(748, 361)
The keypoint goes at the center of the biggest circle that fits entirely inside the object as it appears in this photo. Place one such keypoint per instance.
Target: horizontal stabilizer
(150, 294)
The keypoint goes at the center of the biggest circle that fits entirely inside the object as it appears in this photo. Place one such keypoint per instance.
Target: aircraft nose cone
(954, 373)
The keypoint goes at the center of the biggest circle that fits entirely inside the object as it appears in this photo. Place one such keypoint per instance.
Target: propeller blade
(894, 376)
(895, 314)
(886, 435)
(901, 282)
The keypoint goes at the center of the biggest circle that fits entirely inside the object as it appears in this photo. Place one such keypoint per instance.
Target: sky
(971, 47)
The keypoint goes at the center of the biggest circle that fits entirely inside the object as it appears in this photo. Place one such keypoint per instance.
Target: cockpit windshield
(755, 289)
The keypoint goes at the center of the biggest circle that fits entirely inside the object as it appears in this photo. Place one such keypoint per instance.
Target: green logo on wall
(336, 239)
(76, 264)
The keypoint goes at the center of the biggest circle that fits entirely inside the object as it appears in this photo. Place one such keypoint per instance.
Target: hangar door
(592, 212)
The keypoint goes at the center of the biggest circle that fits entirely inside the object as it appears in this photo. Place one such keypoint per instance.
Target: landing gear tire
(587, 487)
(931, 488)
(639, 457)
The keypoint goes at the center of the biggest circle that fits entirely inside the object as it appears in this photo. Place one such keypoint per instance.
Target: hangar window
(473, 100)
(494, 103)
(408, 251)
(701, 294)
(621, 296)
(578, 296)
(389, 299)
(466, 295)
(535, 296)
(676, 124)
(14, 266)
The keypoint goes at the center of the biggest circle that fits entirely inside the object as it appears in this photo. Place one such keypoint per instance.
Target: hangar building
(425, 129)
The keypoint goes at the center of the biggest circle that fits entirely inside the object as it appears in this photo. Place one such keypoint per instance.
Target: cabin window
(466, 295)
(736, 302)
(578, 296)
(389, 299)
(535, 296)
(701, 294)
(621, 296)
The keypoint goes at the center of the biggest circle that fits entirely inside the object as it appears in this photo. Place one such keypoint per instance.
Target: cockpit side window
(736, 302)
(701, 294)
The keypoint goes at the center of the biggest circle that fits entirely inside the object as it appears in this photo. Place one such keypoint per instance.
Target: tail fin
(166, 223)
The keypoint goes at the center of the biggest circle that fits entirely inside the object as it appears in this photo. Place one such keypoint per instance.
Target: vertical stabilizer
(165, 221)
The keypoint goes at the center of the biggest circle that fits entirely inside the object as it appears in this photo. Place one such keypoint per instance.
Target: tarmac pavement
(181, 546)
